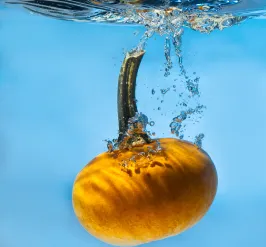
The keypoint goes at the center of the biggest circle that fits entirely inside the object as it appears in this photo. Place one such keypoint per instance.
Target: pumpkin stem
(127, 105)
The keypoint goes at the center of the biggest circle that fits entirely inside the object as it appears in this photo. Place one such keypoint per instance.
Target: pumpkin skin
(157, 195)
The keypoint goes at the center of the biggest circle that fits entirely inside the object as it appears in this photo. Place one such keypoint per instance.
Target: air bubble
(164, 91)
(152, 123)
(198, 140)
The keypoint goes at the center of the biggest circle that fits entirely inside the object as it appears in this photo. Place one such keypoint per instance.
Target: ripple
(206, 12)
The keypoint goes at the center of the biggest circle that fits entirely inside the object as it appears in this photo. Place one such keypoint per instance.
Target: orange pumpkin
(131, 197)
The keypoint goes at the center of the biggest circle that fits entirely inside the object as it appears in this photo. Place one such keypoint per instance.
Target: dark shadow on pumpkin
(172, 184)
(156, 163)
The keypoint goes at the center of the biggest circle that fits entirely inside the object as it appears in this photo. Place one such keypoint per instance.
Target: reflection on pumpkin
(130, 197)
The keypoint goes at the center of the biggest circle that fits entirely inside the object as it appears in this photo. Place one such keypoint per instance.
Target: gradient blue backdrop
(58, 103)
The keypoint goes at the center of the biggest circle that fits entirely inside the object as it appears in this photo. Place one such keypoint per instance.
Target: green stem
(127, 107)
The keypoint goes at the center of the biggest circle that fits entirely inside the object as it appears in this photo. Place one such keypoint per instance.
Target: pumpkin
(135, 196)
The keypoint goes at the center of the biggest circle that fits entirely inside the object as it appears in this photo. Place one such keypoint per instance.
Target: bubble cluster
(193, 86)
(167, 54)
(177, 125)
(198, 140)
(136, 134)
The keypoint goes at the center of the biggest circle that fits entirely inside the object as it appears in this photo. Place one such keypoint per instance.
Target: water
(58, 83)
(140, 11)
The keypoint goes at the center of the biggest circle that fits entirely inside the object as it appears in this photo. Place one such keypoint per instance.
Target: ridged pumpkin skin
(160, 194)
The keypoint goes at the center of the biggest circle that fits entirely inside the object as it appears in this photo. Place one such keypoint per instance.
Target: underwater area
(202, 79)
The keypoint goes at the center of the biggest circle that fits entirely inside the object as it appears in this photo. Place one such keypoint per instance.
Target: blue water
(58, 83)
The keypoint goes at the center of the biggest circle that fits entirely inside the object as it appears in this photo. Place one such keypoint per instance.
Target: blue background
(58, 83)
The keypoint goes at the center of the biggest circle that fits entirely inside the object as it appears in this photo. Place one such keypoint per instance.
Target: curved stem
(127, 107)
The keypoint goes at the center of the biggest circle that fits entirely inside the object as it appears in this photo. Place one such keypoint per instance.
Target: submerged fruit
(131, 197)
